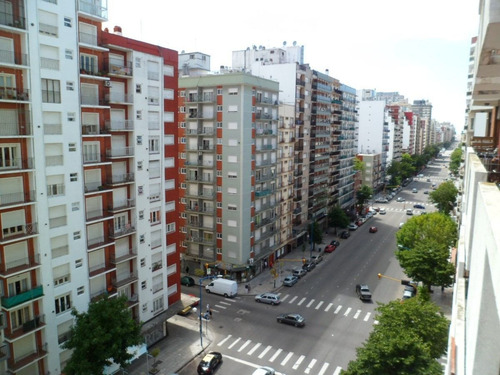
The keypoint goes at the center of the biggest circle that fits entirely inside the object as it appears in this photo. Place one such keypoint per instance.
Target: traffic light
(206, 265)
(379, 275)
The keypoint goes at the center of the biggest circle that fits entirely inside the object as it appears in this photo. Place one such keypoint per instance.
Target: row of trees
(410, 164)
(455, 160)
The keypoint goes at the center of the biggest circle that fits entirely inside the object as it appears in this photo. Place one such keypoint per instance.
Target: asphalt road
(337, 322)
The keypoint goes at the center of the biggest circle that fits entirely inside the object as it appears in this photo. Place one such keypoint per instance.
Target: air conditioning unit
(107, 83)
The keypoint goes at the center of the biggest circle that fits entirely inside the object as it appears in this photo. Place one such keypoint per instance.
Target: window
(144, 307)
(75, 206)
(219, 220)
(88, 64)
(51, 91)
(142, 238)
(233, 91)
(232, 223)
(143, 284)
(168, 70)
(183, 171)
(140, 190)
(182, 140)
(182, 155)
(141, 214)
(170, 227)
(158, 304)
(232, 125)
(138, 115)
(68, 53)
(219, 141)
(73, 177)
(183, 185)
(219, 125)
(137, 62)
(219, 91)
(219, 157)
(231, 238)
(72, 147)
(232, 207)
(219, 173)
(232, 159)
(168, 94)
(219, 204)
(182, 109)
(68, 22)
(219, 235)
(70, 86)
(80, 290)
(219, 250)
(71, 116)
(154, 145)
(232, 190)
(182, 124)
(219, 108)
(138, 88)
(139, 139)
(232, 142)
(232, 108)
(77, 235)
(232, 175)
(63, 303)
(78, 263)
(155, 217)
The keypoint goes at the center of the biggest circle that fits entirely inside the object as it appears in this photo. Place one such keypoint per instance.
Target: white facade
(372, 117)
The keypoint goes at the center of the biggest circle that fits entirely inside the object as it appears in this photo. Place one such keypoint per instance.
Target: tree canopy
(337, 218)
(101, 334)
(444, 196)
(359, 165)
(363, 195)
(455, 160)
(315, 233)
(409, 338)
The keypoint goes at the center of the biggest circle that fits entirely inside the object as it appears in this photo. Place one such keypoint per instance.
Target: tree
(337, 218)
(315, 233)
(363, 195)
(394, 171)
(424, 248)
(100, 335)
(409, 338)
(455, 160)
(444, 196)
(359, 165)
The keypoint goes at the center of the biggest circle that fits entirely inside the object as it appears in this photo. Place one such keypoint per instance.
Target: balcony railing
(17, 198)
(20, 265)
(11, 301)
(119, 125)
(118, 232)
(132, 253)
(121, 178)
(120, 152)
(92, 100)
(94, 243)
(12, 93)
(27, 326)
(15, 364)
(8, 19)
(94, 8)
(122, 205)
(118, 97)
(11, 57)
(18, 231)
(127, 279)
(119, 68)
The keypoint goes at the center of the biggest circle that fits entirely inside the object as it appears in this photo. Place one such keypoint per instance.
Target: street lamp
(201, 306)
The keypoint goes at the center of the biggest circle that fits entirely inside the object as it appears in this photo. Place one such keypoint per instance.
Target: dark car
(345, 234)
(308, 266)
(293, 319)
(373, 229)
(419, 206)
(209, 363)
(330, 248)
(187, 281)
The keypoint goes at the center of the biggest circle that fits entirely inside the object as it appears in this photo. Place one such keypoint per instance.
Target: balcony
(100, 269)
(11, 301)
(200, 98)
(98, 242)
(17, 232)
(115, 233)
(93, 8)
(92, 129)
(119, 125)
(118, 179)
(27, 326)
(204, 131)
(120, 152)
(201, 240)
(120, 98)
(18, 363)
(98, 215)
(13, 199)
(118, 68)
(122, 205)
(8, 19)
(125, 280)
(93, 101)
(131, 254)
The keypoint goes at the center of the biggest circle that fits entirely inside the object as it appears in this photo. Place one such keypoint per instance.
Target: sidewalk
(183, 342)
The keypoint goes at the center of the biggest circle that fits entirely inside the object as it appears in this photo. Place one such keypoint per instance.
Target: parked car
(187, 281)
(296, 320)
(264, 371)
(428, 180)
(401, 199)
(352, 226)
(426, 192)
(363, 292)
(308, 266)
(317, 258)
(409, 211)
(209, 363)
(290, 280)
(420, 175)
(330, 248)
(381, 200)
(335, 243)
(401, 225)
(419, 206)
(373, 229)
(382, 211)
(345, 234)
(414, 190)
(298, 272)
(270, 298)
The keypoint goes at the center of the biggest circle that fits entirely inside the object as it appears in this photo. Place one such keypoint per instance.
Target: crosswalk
(312, 304)
(278, 356)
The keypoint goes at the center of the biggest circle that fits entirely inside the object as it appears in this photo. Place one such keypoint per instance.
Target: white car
(381, 200)
(382, 211)
(401, 225)
(264, 371)
(400, 199)
(352, 226)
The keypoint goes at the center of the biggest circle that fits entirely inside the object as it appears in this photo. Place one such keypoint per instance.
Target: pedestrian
(208, 306)
(210, 312)
(248, 288)
(265, 264)
(187, 269)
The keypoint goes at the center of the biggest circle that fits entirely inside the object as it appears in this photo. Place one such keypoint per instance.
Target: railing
(11, 301)
(7, 19)
(94, 8)
(117, 232)
(12, 93)
(46, 63)
(11, 57)
(17, 198)
(121, 178)
(157, 287)
(118, 97)
(93, 100)
(157, 266)
(122, 205)
(120, 152)
(130, 278)
(97, 241)
(132, 253)
(118, 68)
(119, 125)
(18, 231)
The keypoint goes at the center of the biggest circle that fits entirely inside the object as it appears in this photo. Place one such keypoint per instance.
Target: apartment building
(86, 206)
(228, 170)
(372, 174)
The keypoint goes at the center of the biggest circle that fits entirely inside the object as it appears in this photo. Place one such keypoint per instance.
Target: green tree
(101, 334)
(359, 165)
(455, 160)
(409, 338)
(362, 196)
(337, 218)
(315, 233)
(394, 171)
(424, 244)
(444, 197)
(407, 168)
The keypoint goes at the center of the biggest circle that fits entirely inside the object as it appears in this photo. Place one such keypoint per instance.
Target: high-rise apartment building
(229, 187)
(87, 176)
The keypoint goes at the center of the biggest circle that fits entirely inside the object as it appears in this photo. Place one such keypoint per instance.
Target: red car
(373, 229)
(330, 248)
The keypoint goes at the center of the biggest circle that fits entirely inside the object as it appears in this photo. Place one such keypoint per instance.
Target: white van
(224, 287)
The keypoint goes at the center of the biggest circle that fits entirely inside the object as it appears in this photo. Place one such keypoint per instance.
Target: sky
(418, 48)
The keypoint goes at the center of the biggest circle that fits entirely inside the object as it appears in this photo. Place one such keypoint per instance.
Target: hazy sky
(418, 48)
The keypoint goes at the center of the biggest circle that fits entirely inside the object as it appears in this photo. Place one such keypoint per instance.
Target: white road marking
(299, 361)
(310, 303)
(337, 309)
(221, 307)
(310, 366)
(244, 345)
(323, 369)
(223, 341)
(302, 300)
(329, 306)
(357, 314)
(285, 297)
(347, 311)
(293, 299)
(337, 370)
(367, 316)
(289, 355)
(234, 343)
(256, 346)
(242, 361)
(225, 303)
(319, 305)
(278, 352)
(261, 355)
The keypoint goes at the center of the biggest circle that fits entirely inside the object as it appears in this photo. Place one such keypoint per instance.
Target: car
(401, 225)
(373, 229)
(426, 192)
(420, 175)
(376, 209)
(428, 180)
(296, 320)
(308, 266)
(401, 199)
(317, 258)
(407, 294)
(345, 234)
(335, 243)
(290, 280)
(409, 211)
(298, 272)
(419, 206)
(414, 190)
(381, 200)
(352, 226)
(330, 248)
(187, 281)
(209, 363)
(264, 371)
(433, 184)
(363, 292)
(270, 298)
(369, 214)
(359, 223)
(382, 211)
